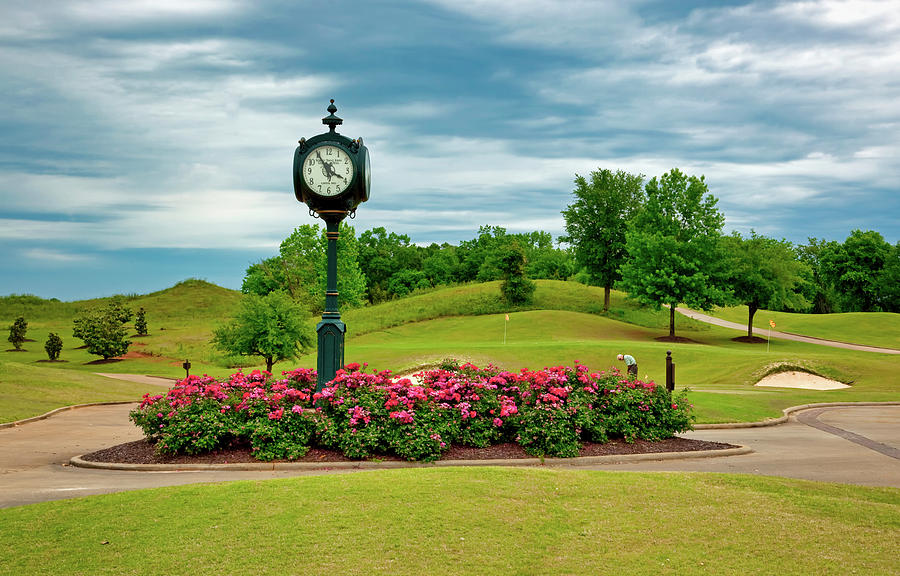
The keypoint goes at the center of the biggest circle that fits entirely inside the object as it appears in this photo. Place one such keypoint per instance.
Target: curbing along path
(372, 465)
(36, 459)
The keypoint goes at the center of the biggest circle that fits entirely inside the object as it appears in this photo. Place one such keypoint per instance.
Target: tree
(300, 269)
(381, 256)
(441, 265)
(479, 257)
(140, 322)
(673, 246)
(597, 220)
(818, 288)
(17, 331)
(53, 346)
(542, 259)
(855, 267)
(516, 287)
(271, 326)
(764, 273)
(266, 276)
(889, 281)
(103, 330)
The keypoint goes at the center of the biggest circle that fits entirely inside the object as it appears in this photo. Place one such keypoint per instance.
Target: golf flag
(507, 317)
(772, 323)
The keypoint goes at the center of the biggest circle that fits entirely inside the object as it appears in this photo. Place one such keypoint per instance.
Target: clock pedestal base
(331, 350)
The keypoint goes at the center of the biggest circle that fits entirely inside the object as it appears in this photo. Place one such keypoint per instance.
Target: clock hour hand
(328, 168)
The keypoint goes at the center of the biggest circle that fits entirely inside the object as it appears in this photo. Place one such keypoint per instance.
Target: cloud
(159, 11)
(56, 257)
(172, 125)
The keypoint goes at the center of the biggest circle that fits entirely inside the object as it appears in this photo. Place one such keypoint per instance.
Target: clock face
(327, 170)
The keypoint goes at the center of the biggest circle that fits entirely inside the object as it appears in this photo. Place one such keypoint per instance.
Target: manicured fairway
(464, 521)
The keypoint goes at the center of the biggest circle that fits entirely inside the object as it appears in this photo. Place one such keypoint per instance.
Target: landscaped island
(547, 412)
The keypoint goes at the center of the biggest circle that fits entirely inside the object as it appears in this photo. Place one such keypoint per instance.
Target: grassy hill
(565, 323)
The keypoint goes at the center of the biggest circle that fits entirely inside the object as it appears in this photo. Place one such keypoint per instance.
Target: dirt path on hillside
(783, 335)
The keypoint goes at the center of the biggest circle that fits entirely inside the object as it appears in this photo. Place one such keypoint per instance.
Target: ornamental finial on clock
(331, 120)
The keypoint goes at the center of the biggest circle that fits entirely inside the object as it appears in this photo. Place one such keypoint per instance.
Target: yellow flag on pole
(772, 323)
(507, 317)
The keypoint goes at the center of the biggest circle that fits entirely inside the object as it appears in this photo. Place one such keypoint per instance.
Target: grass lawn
(30, 390)
(464, 521)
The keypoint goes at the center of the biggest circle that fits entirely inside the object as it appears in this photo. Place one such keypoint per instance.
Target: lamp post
(332, 177)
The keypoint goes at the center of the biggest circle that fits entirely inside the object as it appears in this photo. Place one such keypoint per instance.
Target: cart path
(141, 379)
(783, 335)
(34, 457)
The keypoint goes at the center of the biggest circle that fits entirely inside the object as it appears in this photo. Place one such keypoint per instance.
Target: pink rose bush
(363, 414)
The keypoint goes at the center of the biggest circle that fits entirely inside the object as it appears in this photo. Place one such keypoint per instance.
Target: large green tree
(674, 254)
(272, 326)
(516, 287)
(764, 273)
(855, 269)
(818, 288)
(300, 269)
(596, 223)
(382, 255)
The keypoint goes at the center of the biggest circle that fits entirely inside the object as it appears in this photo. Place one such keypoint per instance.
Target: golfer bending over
(630, 363)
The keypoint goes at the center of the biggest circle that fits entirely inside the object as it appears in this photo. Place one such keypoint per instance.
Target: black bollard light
(670, 371)
(187, 369)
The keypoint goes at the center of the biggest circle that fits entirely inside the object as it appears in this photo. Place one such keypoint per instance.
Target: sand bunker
(800, 380)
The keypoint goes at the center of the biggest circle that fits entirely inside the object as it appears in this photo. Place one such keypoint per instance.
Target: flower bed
(548, 412)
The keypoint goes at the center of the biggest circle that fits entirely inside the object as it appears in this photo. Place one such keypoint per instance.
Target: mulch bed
(143, 452)
(676, 339)
(750, 339)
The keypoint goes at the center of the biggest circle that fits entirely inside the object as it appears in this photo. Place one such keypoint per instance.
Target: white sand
(800, 380)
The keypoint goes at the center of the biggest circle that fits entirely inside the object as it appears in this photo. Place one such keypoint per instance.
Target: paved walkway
(783, 335)
(34, 457)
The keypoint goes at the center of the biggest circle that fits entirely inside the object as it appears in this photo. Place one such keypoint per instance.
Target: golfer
(630, 363)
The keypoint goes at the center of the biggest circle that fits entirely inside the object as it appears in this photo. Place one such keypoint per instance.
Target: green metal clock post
(330, 330)
(332, 176)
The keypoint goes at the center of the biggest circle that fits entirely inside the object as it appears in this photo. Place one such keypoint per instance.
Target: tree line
(661, 242)
(379, 265)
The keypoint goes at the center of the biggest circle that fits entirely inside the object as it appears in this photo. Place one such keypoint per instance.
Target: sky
(145, 142)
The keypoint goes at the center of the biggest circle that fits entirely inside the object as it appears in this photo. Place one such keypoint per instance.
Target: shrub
(140, 322)
(103, 330)
(17, 331)
(516, 287)
(53, 346)
(548, 412)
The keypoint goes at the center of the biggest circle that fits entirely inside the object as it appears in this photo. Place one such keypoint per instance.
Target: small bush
(53, 346)
(17, 332)
(140, 322)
